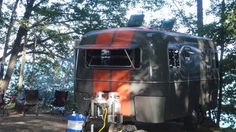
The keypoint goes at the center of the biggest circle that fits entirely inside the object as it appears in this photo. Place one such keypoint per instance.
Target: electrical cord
(104, 119)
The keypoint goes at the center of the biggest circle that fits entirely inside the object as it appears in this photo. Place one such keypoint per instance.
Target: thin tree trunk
(11, 23)
(1, 1)
(8, 34)
(220, 88)
(222, 39)
(17, 44)
(31, 81)
(21, 77)
(199, 17)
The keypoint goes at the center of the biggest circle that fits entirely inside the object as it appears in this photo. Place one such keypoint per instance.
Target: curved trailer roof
(124, 38)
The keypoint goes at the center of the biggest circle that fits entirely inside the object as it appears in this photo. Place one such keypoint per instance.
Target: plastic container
(75, 122)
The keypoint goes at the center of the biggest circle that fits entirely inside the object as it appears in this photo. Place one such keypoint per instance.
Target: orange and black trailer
(141, 75)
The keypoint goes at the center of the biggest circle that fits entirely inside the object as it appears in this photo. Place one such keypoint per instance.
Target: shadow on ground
(177, 127)
(31, 123)
(58, 123)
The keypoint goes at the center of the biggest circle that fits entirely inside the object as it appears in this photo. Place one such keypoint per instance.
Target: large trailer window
(129, 58)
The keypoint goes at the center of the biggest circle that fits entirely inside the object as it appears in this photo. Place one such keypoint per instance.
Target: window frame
(117, 66)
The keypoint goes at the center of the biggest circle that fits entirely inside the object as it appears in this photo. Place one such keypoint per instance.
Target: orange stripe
(123, 37)
(104, 39)
(100, 82)
(123, 88)
(99, 76)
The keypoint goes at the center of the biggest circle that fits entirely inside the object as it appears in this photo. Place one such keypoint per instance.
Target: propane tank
(101, 102)
(114, 106)
(99, 98)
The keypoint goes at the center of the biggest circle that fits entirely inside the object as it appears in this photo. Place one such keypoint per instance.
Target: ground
(31, 123)
(58, 123)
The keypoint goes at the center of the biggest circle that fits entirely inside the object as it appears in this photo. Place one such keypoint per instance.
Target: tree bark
(11, 23)
(17, 44)
(1, 1)
(23, 60)
(31, 81)
(221, 42)
(199, 17)
(220, 88)
(8, 34)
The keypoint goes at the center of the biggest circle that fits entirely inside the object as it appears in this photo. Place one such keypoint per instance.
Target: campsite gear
(75, 122)
(31, 101)
(20, 101)
(59, 101)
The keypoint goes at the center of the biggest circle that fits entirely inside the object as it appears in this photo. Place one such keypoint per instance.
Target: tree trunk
(199, 17)
(220, 89)
(1, 1)
(21, 77)
(32, 79)
(17, 44)
(221, 42)
(11, 23)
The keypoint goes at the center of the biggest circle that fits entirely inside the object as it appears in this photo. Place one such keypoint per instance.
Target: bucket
(75, 123)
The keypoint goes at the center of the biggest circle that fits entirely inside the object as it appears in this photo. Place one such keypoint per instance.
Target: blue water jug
(75, 122)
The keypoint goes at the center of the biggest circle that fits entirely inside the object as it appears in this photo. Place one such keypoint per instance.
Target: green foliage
(185, 17)
(228, 130)
(230, 24)
(150, 5)
(223, 32)
(94, 15)
(229, 91)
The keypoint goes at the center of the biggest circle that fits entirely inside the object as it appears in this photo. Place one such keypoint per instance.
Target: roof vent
(136, 20)
(168, 24)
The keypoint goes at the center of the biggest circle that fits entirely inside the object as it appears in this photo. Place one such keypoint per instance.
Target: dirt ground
(58, 123)
(177, 127)
(31, 123)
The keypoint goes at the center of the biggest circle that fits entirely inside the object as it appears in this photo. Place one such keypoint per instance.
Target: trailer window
(129, 58)
(173, 58)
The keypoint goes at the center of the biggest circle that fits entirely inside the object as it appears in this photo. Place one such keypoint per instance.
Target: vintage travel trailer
(143, 75)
